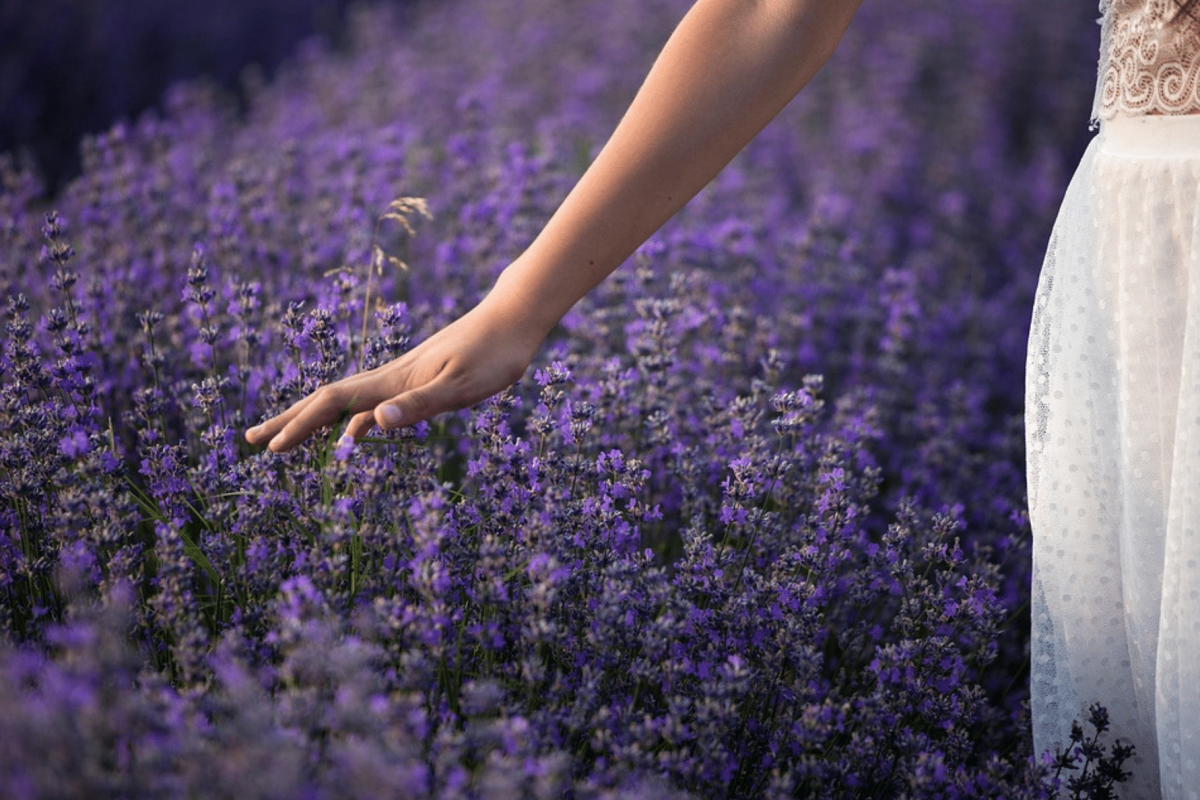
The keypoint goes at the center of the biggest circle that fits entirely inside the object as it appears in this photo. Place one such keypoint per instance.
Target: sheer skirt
(1113, 441)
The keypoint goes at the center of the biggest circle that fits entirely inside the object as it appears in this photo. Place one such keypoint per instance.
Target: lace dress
(1113, 413)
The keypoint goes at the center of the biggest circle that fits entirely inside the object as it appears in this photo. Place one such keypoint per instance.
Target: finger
(265, 431)
(360, 425)
(354, 386)
(324, 407)
(440, 395)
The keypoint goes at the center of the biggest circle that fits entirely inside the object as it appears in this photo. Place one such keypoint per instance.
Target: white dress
(1113, 414)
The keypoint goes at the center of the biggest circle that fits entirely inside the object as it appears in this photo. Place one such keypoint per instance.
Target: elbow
(815, 26)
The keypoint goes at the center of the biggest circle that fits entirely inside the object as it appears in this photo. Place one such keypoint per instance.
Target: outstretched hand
(478, 355)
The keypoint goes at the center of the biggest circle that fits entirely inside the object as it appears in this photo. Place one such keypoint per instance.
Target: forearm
(726, 71)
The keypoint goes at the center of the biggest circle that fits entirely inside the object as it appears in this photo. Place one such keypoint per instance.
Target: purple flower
(752, 527)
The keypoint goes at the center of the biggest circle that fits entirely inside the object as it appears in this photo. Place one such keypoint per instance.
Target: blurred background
(73, 67)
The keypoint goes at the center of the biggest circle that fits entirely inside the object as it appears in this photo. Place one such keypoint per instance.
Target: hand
(478, 355)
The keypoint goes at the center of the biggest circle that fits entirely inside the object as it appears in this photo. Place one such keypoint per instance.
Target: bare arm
(726, 71)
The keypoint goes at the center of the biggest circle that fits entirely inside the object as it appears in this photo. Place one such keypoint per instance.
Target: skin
(726, 71)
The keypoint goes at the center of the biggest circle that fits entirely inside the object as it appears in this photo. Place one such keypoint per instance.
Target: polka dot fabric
(1113, 436)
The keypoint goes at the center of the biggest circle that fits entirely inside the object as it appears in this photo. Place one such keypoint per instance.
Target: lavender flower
(751, 527)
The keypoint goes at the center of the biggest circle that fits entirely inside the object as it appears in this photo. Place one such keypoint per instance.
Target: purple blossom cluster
(752, 526)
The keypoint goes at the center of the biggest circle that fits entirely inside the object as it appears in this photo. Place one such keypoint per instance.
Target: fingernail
(391, 415)
(346, 441)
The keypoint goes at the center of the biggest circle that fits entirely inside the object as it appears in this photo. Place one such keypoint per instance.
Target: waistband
(1153, 136)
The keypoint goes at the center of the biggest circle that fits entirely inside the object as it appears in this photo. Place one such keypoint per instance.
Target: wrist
(519, 296)
(508, 315)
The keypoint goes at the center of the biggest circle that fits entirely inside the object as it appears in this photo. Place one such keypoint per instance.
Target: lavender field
(752, 526)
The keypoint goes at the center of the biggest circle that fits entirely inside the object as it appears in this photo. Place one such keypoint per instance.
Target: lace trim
(1149, 60)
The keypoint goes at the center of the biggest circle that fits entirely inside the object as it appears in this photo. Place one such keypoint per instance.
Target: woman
(1113, 412)
(1114, 365)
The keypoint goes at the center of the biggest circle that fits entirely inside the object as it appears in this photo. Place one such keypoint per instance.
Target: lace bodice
(1149, 59)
